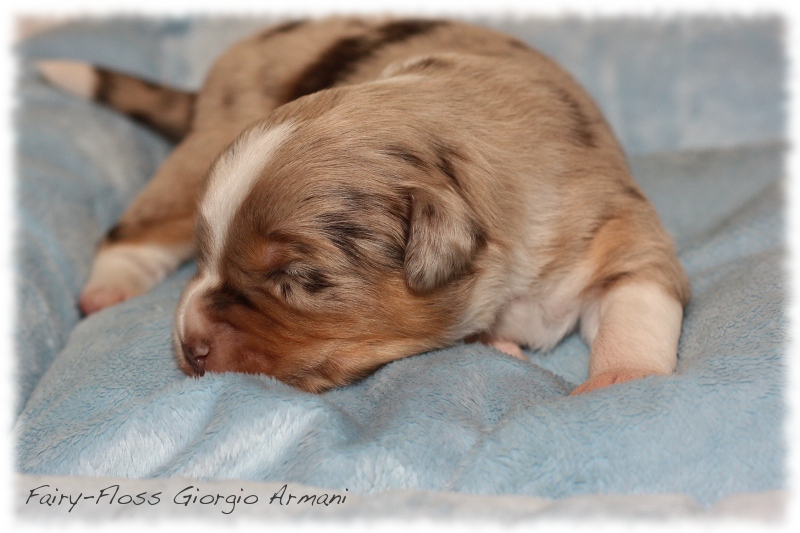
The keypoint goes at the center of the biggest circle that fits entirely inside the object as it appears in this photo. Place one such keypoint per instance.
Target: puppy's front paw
(507, 347)
(122, 272)
(94, 299)
(611, 377)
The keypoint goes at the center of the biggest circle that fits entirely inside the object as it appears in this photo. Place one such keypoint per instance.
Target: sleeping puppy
(360, 190)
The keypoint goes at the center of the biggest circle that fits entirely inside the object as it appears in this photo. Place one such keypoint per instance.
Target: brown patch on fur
(344, 57)
(441, 158)
(164, 109)
(401, 30)
(354, 238)
(445, 162)
(516, 43)
(408, 155)
(116, 234)
(633, 192)
(284, 27)
(227, 296)
(580, 130)
(229, 99)
(334, 65)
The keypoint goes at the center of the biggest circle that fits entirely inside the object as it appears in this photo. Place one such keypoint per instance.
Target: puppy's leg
(507, 347)
(165, 109)
(155, 235)
(633, 330)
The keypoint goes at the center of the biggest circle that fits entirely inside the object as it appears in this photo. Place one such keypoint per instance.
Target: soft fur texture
(370, 189)
(106, 399)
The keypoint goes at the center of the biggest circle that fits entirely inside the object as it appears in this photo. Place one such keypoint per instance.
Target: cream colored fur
(522, 219)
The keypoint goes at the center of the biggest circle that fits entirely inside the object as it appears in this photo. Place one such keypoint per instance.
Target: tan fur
(167, 110)
(446, 183)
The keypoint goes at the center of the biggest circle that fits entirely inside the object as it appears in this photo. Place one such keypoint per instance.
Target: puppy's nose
(196, 353)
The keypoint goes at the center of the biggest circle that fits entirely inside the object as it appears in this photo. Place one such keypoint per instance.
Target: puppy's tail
(167, 110)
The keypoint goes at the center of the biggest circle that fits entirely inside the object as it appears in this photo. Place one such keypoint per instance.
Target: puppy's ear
(443, 239)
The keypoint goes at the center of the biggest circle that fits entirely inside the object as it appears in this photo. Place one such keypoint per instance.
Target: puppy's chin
(308, 362)
(326, 375)
(312, 367)
(330, 345)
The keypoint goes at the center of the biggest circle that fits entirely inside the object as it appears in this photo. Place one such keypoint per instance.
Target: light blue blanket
(698, 103)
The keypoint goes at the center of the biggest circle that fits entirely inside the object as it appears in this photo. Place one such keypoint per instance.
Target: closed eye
(310, 279)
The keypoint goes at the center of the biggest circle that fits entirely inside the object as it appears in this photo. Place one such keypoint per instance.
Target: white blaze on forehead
(187, 303)
(231, 180)
(233, 177)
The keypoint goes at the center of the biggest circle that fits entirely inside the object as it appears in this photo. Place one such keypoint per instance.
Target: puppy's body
(392, 187)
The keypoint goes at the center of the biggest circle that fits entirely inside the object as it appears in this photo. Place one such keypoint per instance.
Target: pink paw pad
(508, 347)
(610, 378)
(96, 299)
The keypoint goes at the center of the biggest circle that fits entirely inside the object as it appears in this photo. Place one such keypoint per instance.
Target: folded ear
(443, 238)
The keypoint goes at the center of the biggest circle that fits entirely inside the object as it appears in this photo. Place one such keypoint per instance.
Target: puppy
(360, 190)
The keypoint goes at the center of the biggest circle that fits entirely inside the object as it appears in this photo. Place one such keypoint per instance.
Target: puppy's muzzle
(196, 353)
(194, 334)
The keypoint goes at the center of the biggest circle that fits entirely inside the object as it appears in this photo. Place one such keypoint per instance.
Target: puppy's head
(323, 253)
